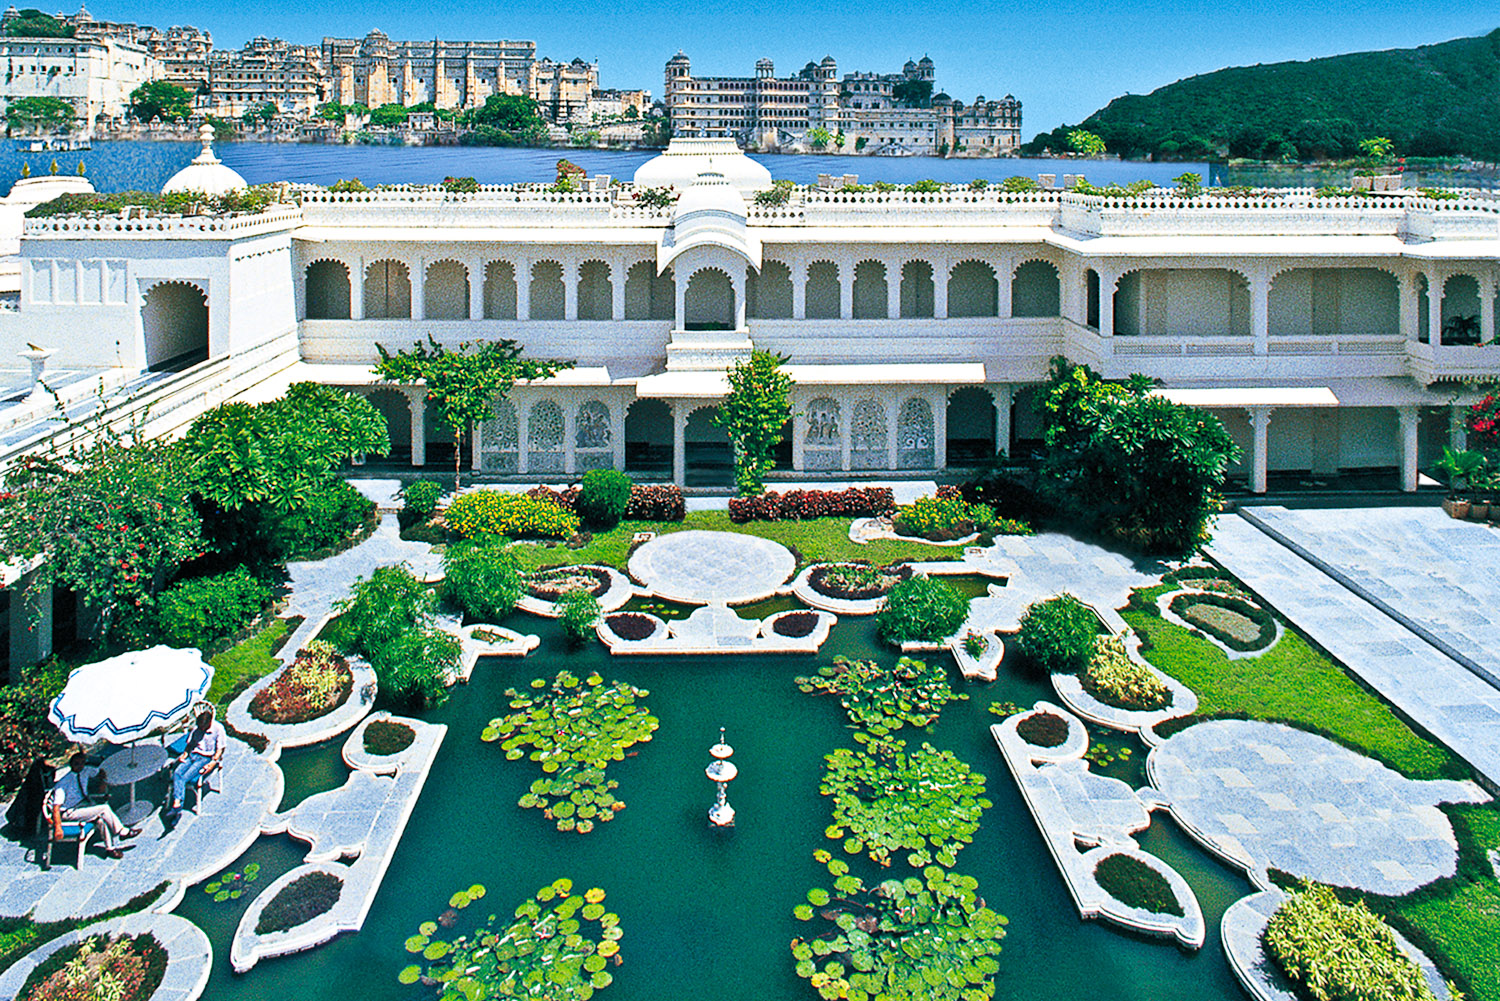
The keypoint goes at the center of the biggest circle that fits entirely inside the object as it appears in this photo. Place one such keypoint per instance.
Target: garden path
(315, 587)
(715, 568)
(1436, 692)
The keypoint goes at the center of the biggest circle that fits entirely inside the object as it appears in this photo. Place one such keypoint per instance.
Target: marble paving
(712, 568)
(1266, 795)
(1440, 695)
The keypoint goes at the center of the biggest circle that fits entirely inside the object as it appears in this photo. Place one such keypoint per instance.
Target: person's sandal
(134, 832)
(114, 853)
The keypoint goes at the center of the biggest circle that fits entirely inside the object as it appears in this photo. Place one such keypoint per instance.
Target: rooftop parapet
(137, 225)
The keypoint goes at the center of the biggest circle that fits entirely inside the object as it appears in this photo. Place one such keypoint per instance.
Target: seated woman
(201, 754)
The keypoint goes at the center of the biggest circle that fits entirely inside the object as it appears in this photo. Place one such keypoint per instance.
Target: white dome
(685, 159)
(206, 173)
(710, 191)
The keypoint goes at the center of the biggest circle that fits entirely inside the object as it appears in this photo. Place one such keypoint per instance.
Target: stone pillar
(1434, 310)
(523, 433)
(893, 290)
(679, 442)
(357, 289)
(798, 431)
(1487, 333)
(1004, 395)
(799, 289)
(1408, 303)
(570, 436)
(476, 432)
(617, 272)
(476, 293)
(737, 283)
(846, 420)
(416, 398)
(1107, 281)
(571, 271)
(846, 291)
(940, 429)
(1260, 426)
(892, 427)
(523, 288)
(1260, 313)
(417, 271)
(1005, 275)
(1458, 434)
(939, 290)
(1409, 420)
(679, 287)
(617, 431)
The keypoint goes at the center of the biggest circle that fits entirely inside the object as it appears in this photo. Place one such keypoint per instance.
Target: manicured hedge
(203, 610)
(301, 900)
(1262, 618)
(604, 497)
(921, 609)
(1058, 634)
(800, 505)
(648, 502)
(1135, 884)
(492, 512)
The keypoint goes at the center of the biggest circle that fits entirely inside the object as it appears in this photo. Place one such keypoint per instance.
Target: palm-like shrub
(1058, 634)
(482, 580)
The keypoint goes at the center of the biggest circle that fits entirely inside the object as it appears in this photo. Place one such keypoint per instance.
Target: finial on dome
(206, 136)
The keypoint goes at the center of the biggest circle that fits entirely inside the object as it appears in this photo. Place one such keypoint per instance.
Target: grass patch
(817, 540)
(243, 664)
(1292, 682)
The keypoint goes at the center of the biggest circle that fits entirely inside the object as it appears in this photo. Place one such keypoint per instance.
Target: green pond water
(707, 914)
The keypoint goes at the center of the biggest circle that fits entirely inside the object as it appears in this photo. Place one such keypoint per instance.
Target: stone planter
(1456, 508)
(1479, 511)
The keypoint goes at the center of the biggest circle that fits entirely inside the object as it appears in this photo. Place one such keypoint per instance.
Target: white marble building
(1321, 330)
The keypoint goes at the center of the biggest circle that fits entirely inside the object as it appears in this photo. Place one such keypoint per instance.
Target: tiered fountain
(721, 771)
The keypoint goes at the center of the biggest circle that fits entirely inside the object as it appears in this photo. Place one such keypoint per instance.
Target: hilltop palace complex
(915, 325)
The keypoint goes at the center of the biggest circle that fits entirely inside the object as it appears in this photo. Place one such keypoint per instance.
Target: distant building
(563, 90)
(182, 50)
(265, 71)
(375, 70)
(96, 74)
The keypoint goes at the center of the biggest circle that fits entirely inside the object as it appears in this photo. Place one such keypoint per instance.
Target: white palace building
(1321, 330)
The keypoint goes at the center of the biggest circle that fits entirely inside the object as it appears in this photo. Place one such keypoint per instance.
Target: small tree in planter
(580, 614)
(1461, 469)
(753, 414)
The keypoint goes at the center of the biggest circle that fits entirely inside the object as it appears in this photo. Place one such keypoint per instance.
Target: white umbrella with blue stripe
(130, 696)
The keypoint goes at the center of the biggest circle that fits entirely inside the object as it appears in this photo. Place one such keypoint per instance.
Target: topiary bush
(301, 900)
(203, 610)
(1058, 634)
(1114, 679)
(415, 668)
(483, 580)
(604, 497)
(491, 512)
(921, 609)
(1135, 884)
(579, 615)
(1335, 951)
(421, 500)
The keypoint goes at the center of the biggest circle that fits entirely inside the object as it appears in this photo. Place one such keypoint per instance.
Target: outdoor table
(129, 766)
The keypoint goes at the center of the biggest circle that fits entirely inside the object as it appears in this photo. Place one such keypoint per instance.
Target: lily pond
(707, 913)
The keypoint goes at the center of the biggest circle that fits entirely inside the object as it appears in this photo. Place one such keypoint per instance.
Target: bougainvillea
(1484, 423)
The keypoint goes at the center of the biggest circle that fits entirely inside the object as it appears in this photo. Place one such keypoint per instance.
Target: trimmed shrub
(1043, 730)
(1258, 620)
(1340, 952)
(414, 668)
(657, 502)
(203, 610)
(301, 900)
(316, 683)
(923, 609)
(1135, 884)
(378, 610)
(1058, 635)
(421, 502)
(491, 512)
(332, 514)
(800, 505)
(580, 614)
(1116, 680)
(384, 737)
(604, 497)
(482, 580)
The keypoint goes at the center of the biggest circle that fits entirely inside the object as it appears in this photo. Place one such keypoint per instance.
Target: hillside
(1434, 100)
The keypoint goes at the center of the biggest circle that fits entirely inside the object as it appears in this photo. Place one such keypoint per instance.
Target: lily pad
(884, 699)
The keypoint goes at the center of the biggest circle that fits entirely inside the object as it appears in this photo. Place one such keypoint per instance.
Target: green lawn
(242, 665)
(817, 540)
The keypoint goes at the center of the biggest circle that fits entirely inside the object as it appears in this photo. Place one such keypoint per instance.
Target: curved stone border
(510, 644)
(804, 592)
(985, 667)
(659, 565)
(1189, 928)
(355, 708)
(357, 758)
(619, 644)
(249, 946)
(1241, 929)
(1165, 600)
(773, 642)
(863, 531)
(698, 634)
(190, 956)
(1070, 690)
(619, 592)
(1075, 747)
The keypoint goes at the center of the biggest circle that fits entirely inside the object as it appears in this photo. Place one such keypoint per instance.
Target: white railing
(279, 217)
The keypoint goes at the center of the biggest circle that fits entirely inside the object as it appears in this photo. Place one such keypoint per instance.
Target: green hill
(1436, 100)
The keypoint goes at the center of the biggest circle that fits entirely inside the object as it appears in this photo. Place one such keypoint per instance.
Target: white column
(738, 282)
(357, 289)
(1107, 281)
(1409, 420)
(1260, 426)
(1260, 313)
(892, 426)
(523, 289)
(416, 398)
(418, 272)
(679, 287)
(476, 432)
(846, 291)
(799, 289)
(571, 271)
(617, 271)
(798, 430)
(1434, 310)
(846, 418)
(617, 413)
(940, 429)
(893, 290)
(1458, 434)
(1487, 332)
(679, 442)
(570, 431)
(1005, 273)
(1409, 301)
(523, 433)
(476, 295)
(940, 290)
(1004, 397)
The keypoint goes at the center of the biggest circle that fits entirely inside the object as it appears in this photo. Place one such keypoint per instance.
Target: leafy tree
(110, 522)
(579, 614)
(160, 100)
(1189, 185)
(40, 114)
(1085, 142)
(465, 382)
(753, 415)
(1139, 467)
(388, 115)
(861, 143)
(818, 138)
(508, 113)
(838, 139)
(32, 23)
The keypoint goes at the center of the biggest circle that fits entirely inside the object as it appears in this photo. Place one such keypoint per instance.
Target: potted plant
(1485, 488)
(1461, 470)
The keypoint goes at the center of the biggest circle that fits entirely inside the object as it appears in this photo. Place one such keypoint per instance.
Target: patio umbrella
(130, 696)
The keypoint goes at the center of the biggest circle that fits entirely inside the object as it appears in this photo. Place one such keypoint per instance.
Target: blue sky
(1063, 59)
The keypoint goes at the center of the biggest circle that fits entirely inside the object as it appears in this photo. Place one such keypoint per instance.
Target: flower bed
(648, 502)
(855, 581)
(1135, 884)
(800, 505)
(384, 737)
(550, 585)
(121, 968)
(947, 517)
(492, 512)
(316, 683)
(796, 625)
(1237, 624)
(1116, 680)
(300, 901)
(1043, 730)
(630, 626)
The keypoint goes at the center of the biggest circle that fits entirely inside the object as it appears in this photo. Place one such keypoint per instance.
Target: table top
(121, 768)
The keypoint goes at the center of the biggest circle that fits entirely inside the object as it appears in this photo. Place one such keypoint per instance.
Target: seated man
(69, 802)
(201, 754)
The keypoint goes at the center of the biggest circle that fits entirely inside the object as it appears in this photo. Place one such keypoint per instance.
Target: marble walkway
(1442, 696)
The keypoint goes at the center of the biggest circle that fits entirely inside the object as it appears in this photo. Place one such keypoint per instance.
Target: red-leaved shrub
(648, 502)
(800, 505)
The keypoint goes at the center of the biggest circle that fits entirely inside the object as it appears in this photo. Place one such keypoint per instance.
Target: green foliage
(301, 900)
(25, 731)
(40, 114)
(1086, 143)
(927, 939)
(575, 728)
(1114, 679)
(579, 614)
(819, 137)
(1058, 635)
(247, 662)
(1189, 185)
(940, 519)
(381, 608)
(482, 580)
(460, 185)
(660, 198)
(753, 415)
(603, 497)
(912, 93)
(1238, 624)
(511, 113)
(196, 203)
(201, 611)
(557, 948)
(414, 669)
(1141, 468)
(482, 513)
(1018, 184)
(160, 100)
(351, 186)
(1460, 468)
(385, 737)
(1340, 952)
(884, 699)
(32, 23)
(331, 515)
(232, 884)
(778, 194)
(921, 609)
(926, 187)
(926, 803)
(1135, 884)
(422, 497)
(465, 382)
(388, 115)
